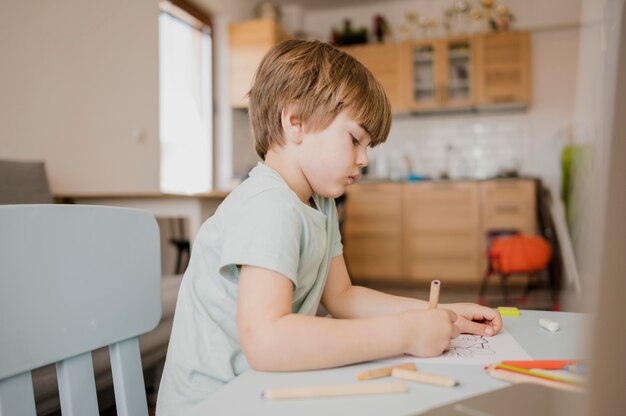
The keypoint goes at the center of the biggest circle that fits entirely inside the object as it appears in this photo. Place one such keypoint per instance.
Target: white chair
(73, 279)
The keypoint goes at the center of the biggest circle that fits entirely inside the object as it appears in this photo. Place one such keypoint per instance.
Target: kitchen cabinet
(249, 41)
(455, 73)
(503, 69)
(387, 64)
(509, 204)
(441, 74)
(442, 231)
(419, 231)
(372, 232)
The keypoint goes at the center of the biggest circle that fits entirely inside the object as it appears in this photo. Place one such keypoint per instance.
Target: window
(185, 99)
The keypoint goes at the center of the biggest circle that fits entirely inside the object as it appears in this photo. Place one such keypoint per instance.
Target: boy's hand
(430, 331)
(475, 319)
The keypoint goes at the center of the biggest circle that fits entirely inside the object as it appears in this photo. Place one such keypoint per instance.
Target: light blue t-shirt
(261, 223)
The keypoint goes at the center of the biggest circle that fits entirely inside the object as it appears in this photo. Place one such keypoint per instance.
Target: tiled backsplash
(462, 146)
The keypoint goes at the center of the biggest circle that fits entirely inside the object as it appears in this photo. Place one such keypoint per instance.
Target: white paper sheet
(474, 349)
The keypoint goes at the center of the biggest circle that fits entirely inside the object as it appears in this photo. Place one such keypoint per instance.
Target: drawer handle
(508, 209)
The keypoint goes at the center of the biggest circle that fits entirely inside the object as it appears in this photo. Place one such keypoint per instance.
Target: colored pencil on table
(538, 374)
(333, 390)
(513, 377)
(434, 379)
(384, 372)
(543, 364)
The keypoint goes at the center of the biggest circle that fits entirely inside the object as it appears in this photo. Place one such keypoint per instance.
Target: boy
(261, 265)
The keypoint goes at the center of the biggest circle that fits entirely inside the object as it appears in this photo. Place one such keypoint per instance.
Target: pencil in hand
(435, 285)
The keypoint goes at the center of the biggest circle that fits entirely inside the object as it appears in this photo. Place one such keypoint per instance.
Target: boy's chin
(332, 193)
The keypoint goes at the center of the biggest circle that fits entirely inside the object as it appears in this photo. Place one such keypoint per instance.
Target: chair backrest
(24, 183)
(73, 279)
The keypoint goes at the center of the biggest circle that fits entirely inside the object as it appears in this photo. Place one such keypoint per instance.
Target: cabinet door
(372, 234)
(441, 231)
(503, 68)
(509, 204)
(249, 41)
(458, 72)
(386, 63)
(426, 77)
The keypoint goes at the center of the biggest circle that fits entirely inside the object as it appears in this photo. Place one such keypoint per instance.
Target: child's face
(331, 158)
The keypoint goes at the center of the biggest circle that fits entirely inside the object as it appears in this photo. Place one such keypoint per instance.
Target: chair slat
(16, 395)
(77, 386)
(130, 395)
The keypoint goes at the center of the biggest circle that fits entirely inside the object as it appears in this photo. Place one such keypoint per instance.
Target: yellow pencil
(420, 377)
(384, 372)
(435, 285)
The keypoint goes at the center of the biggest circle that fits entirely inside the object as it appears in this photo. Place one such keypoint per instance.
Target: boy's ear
(291, 123)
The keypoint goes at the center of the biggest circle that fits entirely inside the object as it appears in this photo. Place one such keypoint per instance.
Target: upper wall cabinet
(503, 69)
(387, 63)
(249, 41)
(441, 74)
(452, 73)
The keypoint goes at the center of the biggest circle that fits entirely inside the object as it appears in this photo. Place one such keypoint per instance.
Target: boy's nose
(362, 159)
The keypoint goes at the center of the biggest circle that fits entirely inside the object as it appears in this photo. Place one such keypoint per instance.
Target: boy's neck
(291, 173)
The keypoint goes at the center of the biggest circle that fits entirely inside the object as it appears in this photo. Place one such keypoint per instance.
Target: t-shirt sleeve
(264, 231)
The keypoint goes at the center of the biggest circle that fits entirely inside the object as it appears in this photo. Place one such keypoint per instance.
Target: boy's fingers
(478, 328)
(451, 315)
(455, 331)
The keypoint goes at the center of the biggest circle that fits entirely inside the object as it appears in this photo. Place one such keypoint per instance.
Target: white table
(242, 396)
(195, 208)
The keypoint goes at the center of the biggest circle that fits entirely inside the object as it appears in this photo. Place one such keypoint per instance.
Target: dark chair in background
(24, 183)
(181, 244)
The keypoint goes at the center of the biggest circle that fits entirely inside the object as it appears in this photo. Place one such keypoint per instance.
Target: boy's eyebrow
(365, 130)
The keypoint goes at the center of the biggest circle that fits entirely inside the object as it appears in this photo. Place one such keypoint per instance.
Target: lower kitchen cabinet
(441, 231)
(372, 232)
(416, 232)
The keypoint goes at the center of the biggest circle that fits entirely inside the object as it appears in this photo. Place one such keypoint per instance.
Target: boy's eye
(354, 141)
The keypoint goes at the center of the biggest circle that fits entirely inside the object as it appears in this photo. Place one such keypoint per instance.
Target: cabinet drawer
(508, 190)
(441, 206)
(509, 204)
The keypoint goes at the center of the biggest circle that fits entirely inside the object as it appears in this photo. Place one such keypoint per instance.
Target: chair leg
(524, 298)
(554, 291)
(483, 288)
(505, 289)
(179, 260)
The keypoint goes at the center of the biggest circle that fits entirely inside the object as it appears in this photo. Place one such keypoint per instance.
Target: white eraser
(549, 324)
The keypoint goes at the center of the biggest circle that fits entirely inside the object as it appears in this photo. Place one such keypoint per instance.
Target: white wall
(486, 142)
(79, 89)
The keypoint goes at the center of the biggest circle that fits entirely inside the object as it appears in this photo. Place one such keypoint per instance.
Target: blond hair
(321, 81)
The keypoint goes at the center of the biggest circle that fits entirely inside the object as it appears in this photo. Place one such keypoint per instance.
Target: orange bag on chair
(519, 253)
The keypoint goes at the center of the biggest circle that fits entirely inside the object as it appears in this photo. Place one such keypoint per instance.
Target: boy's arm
(343, 300)
(275, 339)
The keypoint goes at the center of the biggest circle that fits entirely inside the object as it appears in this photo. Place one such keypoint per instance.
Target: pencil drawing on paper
(468, 346)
